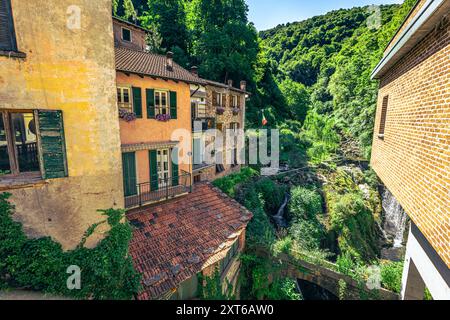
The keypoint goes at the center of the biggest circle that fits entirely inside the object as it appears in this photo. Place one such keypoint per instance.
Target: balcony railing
(164, 189)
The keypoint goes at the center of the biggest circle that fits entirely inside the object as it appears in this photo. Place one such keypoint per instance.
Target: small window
(18, 143)
(124, 98)
(383, 117)
(126, 34)
(161, 103)
(235, 102)
(218, 99)
(7, 33)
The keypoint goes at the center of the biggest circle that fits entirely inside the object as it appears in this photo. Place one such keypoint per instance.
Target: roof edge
(421, 22)
(130, 23)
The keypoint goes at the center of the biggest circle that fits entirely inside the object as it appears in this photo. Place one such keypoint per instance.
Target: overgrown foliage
(212, 287)
(391, 276)
(305, 209)
(41, 264)
(260, 281)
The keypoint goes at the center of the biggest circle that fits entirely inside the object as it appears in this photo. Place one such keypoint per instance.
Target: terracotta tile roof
(150, 64)
(174, 241)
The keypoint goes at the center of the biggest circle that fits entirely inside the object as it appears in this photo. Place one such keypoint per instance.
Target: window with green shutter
(52, 147)
(137, 102)
(33, 142)
(173, 105)
(175, 168)
(154, 178)
(150, 99)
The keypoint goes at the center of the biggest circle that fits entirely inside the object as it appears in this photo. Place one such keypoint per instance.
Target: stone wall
(413, 157)
(72, 70)
(224, 121)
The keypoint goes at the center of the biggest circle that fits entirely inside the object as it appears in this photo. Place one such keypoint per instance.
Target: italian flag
(264, 120)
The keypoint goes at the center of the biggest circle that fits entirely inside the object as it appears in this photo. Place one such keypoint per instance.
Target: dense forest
(311, 80)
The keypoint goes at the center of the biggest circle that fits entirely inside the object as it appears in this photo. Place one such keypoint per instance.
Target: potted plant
(236, 111)
(220, 110)
(163, 117)
(126, 115)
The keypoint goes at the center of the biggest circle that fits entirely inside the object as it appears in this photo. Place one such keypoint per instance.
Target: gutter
(420, 23)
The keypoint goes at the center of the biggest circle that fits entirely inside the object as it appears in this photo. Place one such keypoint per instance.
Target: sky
(266, 14)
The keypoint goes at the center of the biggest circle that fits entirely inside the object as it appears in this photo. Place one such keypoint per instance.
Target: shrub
(391, 276)
(304, 203)
(228, 184)
(283, 246)
(305, 207)
(354, 224)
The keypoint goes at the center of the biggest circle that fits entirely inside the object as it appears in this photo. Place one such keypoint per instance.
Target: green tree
(168, 19)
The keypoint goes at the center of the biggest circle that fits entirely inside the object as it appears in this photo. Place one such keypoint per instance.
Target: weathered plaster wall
(70, 70)
(150, 130)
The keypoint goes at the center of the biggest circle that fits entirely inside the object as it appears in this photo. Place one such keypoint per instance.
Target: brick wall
(413, 159)
(137, 36)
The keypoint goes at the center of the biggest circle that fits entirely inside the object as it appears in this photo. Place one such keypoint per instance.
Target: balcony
(163, 190)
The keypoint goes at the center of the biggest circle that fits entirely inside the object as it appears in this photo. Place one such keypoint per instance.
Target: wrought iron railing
(161, 190)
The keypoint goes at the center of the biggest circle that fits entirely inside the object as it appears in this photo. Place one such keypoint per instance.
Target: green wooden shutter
(52, 146)
(137, 102)
(175, 168)
(7, 34)
(150, 96)
(154, 179)
(129, 174)
(173, 105)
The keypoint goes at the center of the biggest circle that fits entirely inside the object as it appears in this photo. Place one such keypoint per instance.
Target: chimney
(169, 62)
(243, 85)
(230, 83)
(194, 70)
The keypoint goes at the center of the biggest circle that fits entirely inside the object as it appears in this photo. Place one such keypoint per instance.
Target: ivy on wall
(41, 264)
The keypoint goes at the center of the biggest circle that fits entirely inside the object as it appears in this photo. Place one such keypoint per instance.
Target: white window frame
(219, 99)
(159, 108)
(120, 102)
(234, 103)
(163, 181)
(121, 34)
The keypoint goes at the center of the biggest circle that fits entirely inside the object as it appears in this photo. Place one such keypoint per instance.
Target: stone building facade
(412, 139)
(229, 104)
(57, 93)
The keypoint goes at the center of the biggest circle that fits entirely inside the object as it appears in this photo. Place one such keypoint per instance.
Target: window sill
(381, 136)
(13, 54)
(26, 180)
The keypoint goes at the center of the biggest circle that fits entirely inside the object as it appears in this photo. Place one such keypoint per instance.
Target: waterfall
(279, 217)
(395, 219)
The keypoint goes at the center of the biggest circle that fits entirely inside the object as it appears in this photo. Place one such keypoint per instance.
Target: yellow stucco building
(59, 135)
(154, 102)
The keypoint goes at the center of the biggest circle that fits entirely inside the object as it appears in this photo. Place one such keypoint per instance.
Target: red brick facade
(413, 157)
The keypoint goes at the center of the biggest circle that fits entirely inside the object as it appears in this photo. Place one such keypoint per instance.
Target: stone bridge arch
(327, 279)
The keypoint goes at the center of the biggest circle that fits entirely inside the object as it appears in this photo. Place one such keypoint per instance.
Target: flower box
(220, 110)
(126, 115)
(163, 117)
(236, 111)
